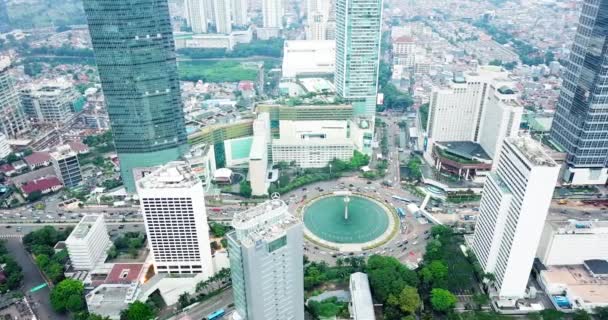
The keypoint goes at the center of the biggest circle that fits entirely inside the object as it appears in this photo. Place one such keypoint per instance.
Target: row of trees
(41, 244)
(266, 48)
(12, 270)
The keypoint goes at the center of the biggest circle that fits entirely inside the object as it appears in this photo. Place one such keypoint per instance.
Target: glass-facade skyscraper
(135, 56)
(358, 37)
(580, 125)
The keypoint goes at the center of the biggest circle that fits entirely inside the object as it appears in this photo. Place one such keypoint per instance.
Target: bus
(402, 199)
(218, 314)
(401, 212)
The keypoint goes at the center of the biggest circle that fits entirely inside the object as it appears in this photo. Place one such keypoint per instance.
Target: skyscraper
(12, 118)
(512, 212)
(239, 12)
(135, 56)
(317, 16)
(173, 206)
(358, 36)
(223, 23)
(196, 15)
(272, 12)
(266, 253)
(579, 126)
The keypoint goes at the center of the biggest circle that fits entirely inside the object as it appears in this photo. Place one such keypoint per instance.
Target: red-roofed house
(44, 185)
(38, 159)
(125, 273)
(7, 169)
(246, 85)
(78, 147)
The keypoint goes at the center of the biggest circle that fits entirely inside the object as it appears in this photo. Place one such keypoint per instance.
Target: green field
(215, 71)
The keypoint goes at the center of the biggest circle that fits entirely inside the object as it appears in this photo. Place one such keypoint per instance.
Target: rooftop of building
(579, 227)
(111, 299)
(464, 150)
(532, 150)
(361, 296)
(264, 221)
(309, 44)
(598, 267)
(124, 273)
(176, 174)
(37, 158)
(580, 282)
(41, 184)
(83, 227)
(258, 148)
(62, 152)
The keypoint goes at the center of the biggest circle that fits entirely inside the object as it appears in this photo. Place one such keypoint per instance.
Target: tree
(435, 274)
(480, 300)
(184, 300)
(138, 311)
(388, 276)
(601, 313)
(550, 314)
(442, 300)
(34, 196)
(581, 315)
(407, 300)
(245, 189)
(68, 295)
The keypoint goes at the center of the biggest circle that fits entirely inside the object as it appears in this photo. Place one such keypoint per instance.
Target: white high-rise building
(480, 106)
(239, 12)
(88, 243)
(513, 208)
(223, 24)
(173, 206)
(266, 252)
(272, 12)
(317, 16)
(197, 17)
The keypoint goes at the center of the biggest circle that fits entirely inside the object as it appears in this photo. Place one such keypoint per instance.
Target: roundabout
(347, 222)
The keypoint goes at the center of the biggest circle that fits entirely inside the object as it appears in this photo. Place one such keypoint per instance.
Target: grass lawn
(215, 71)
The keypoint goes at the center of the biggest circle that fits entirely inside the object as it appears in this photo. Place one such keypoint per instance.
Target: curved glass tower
(135, 56)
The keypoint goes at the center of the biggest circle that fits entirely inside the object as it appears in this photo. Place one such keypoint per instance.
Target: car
(405, 242)
(426, 232)
(369, 182)
(415, 243)
(8, 227)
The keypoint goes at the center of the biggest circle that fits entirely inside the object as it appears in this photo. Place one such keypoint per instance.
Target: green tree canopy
(407, 300)
(388, 276)
(68, 295)
(442, 300)
(138, 311)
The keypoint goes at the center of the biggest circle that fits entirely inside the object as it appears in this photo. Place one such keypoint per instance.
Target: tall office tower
(579, 124)
(135, 56)
(272, 12)
(88, 243)
(266, 263)
(317, 16)
(173, 206)
(513, 208)
(223, 23)
(66, 165)
(197, 18)
(12, 118)
(479, 106)
(209, 11)
(239, 12)
(358, 36)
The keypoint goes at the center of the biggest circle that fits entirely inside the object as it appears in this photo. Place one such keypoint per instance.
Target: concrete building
(88, 243)
(579, 124)
(66, 166)
(358, 36)
(312, 144)
(266, 252)
(362, 305)
(213, 40)
(404, 51)
(5, 148)
(197, 17)
(258, 157)
(240, 9)
(573, 242)
(317, 17)
(223, 23)
(12, 119)
(513, 208)
(308, 58)
(272, 14)
(480, 106)
(173, 206)
(49, 101)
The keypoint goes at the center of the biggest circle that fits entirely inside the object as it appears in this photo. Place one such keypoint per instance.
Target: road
(39, 300)
(221, 301)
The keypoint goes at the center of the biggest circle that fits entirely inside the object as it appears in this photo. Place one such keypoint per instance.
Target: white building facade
(239, 12)
(513, 208)
(196, 15)
(308, 57)
(88, 243)
(573, 242)
(223, 23)
(266, 262)
(272, 14)
(172, 201)
(5, 148)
